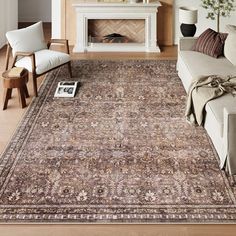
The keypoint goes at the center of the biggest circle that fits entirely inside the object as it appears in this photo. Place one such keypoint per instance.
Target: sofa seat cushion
(45, 60)
(199, 64)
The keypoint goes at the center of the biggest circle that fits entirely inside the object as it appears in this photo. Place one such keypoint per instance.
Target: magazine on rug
(66, 89)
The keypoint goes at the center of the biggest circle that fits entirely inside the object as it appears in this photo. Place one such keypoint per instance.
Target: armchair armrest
(187, 43)
(26, 54)
(65, 42)
(229, 139)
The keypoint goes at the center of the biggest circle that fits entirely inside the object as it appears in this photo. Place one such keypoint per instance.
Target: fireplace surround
(116, 11)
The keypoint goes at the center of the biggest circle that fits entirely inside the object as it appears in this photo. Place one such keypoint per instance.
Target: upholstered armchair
(30, 51)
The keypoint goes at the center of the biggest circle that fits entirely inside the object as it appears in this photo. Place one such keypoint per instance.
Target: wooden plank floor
(10, 118)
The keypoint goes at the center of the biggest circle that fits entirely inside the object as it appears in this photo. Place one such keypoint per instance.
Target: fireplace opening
(116, 31)
(109, 38)
(115, 38)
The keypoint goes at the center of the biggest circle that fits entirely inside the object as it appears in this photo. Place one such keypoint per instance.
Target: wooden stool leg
(21, 95)
(26, 91)
(6, 97)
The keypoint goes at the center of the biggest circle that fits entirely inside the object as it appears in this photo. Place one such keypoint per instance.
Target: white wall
(203, 23)
(56, 19)
(34, 10)
(8, 18)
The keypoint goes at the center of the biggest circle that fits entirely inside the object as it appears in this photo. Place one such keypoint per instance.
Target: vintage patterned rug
(120, 151)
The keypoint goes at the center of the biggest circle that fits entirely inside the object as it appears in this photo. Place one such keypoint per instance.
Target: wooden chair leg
(69, 69)
(26, 91)
(6, 97)
(21, 94)
(35, 86)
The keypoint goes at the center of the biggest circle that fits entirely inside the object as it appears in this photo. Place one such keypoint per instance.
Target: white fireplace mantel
(99, 10)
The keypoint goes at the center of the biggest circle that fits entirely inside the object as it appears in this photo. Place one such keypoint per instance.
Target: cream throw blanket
(204, 90)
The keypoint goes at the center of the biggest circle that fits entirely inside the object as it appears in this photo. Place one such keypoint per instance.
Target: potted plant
(218, 8)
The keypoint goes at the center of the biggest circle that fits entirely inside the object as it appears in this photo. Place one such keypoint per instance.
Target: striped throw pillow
(211, 43)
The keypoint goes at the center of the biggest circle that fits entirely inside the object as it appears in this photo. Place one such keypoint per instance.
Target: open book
(66, 89)
(16, 72)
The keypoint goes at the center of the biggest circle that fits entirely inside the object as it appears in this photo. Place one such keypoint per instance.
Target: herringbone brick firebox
(134, 30)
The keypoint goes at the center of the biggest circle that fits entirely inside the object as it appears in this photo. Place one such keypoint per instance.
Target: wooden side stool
(18, 82)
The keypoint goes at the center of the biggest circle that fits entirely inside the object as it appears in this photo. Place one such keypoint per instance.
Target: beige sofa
(220, 122)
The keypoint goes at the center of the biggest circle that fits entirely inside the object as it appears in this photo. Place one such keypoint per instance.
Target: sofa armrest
(186, 43)
(229, 139)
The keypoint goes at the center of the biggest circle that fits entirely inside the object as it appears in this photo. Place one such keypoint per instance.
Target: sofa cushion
(215, 109)
(210, 43)
(199, 64)
(213, 122)
(230, 45)
(45, 60)
(29, 39)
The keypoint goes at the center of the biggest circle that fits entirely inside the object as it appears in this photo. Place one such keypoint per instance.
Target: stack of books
(16, 72)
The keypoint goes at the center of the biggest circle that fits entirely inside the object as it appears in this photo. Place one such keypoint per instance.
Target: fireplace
(116, 31)
(120, 27)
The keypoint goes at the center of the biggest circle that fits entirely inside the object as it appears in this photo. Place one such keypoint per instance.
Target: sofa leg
(69, 69)
(35, 86)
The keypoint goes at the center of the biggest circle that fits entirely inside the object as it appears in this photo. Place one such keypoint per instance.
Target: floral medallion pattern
(119, 151)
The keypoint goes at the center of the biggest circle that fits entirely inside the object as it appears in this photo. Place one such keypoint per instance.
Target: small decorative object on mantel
(110, 1)
(218, 8)
(133, 1)
(188, 19)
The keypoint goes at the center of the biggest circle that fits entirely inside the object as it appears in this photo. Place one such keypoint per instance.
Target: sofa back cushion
(29, 39)
(230, 44)
(211, 43)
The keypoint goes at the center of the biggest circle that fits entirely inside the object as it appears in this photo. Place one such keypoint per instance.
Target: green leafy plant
(218, 8)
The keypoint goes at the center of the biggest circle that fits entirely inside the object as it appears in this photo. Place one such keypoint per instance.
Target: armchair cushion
(29, 39)
(45, 60)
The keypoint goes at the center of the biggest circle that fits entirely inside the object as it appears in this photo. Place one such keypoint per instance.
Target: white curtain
(8, 18)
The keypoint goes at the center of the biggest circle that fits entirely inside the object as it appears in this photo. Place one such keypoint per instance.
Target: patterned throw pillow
(211, 43)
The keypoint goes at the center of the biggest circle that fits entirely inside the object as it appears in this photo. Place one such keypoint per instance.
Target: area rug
(120, 151)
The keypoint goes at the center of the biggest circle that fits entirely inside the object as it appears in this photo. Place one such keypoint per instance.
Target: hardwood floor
(117, 230)
(9, 120)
